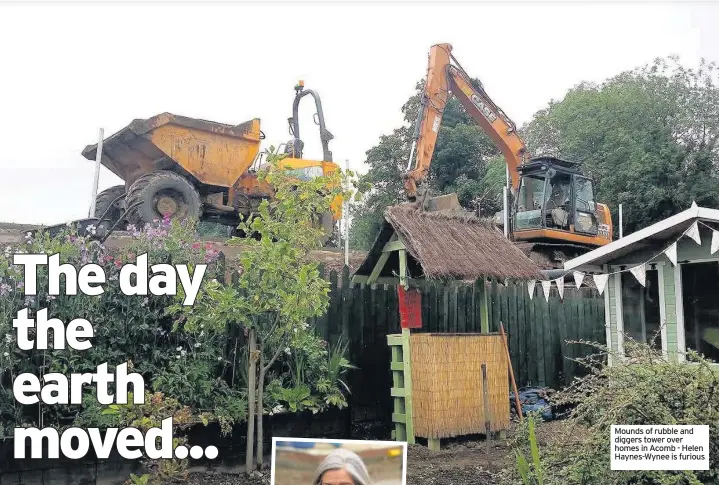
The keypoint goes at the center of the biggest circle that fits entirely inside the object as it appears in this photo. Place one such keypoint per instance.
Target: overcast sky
(66, 71)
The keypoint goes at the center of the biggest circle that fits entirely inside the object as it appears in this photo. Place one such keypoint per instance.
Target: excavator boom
(553, 202)
(444, 78)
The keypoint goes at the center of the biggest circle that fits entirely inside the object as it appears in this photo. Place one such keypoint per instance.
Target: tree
(461, 164)
(278, 289)
(648, 137)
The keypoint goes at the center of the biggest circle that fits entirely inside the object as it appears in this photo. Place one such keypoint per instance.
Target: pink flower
(196, 245)
(211, 255)
(118, 263)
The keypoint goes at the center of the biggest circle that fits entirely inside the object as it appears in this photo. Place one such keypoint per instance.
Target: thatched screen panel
(447, 392)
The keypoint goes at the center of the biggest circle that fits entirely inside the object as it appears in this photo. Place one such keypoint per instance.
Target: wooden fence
(537, 330)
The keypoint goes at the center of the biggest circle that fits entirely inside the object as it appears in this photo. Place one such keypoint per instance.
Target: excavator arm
(445, 77)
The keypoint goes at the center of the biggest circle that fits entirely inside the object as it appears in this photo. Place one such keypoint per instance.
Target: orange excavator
(553, 213)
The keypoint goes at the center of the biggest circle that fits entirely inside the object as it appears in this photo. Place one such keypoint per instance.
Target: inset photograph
(304, 461)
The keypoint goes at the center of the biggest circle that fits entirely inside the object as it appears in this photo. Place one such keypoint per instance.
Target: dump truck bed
(214, 153)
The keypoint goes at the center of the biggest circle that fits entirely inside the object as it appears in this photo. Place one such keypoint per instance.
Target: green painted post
(406, 354)
(378, 268)
(401, 392)
(397, 392)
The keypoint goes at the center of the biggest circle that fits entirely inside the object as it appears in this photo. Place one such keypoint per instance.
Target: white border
(402, 444)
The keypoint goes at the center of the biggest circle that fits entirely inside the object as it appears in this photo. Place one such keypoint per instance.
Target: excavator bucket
(448, 202)
(214, 154)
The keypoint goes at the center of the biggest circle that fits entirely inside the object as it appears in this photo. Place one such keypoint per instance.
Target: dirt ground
(458, 464)
(462, 462)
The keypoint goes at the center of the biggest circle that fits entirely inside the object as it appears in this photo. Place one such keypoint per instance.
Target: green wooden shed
(662, 285)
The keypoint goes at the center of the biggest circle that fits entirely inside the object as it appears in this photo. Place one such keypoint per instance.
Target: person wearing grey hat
(342, 467)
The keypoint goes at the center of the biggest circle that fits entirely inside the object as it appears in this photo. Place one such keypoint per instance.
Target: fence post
(484, 307)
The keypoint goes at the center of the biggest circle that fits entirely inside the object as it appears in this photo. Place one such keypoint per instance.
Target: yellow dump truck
(180, 167)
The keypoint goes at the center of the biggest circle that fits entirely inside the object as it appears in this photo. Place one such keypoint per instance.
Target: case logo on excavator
(483, 108)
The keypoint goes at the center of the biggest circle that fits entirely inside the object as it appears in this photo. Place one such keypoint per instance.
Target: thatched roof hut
(446, 245)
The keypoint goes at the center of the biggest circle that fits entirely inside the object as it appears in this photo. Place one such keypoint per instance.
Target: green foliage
(462, 163)
(314, 377)
(189, 366)
(294, 399)
(338, 365)
(184, 352)
(155, 409)
(642, 389)
(139, 479)
(648, 137)
(277, 284)
(278, 290)
(531, 475)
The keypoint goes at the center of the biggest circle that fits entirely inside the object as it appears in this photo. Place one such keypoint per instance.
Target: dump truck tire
(327, 223)
(103, 202)
(159, 194)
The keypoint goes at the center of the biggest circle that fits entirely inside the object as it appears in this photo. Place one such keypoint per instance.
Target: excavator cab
(555, 199)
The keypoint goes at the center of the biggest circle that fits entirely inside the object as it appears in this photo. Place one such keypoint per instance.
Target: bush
(643, 389)
(195, 365)
(136, 329)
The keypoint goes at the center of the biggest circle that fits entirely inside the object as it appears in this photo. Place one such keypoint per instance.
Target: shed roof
(451, 245)
(656, 233)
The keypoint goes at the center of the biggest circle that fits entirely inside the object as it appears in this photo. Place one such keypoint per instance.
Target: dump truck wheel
(104, 201)
(162, 194)
(327, 223)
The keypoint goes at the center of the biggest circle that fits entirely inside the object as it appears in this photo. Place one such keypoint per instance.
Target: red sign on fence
(410, 307)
